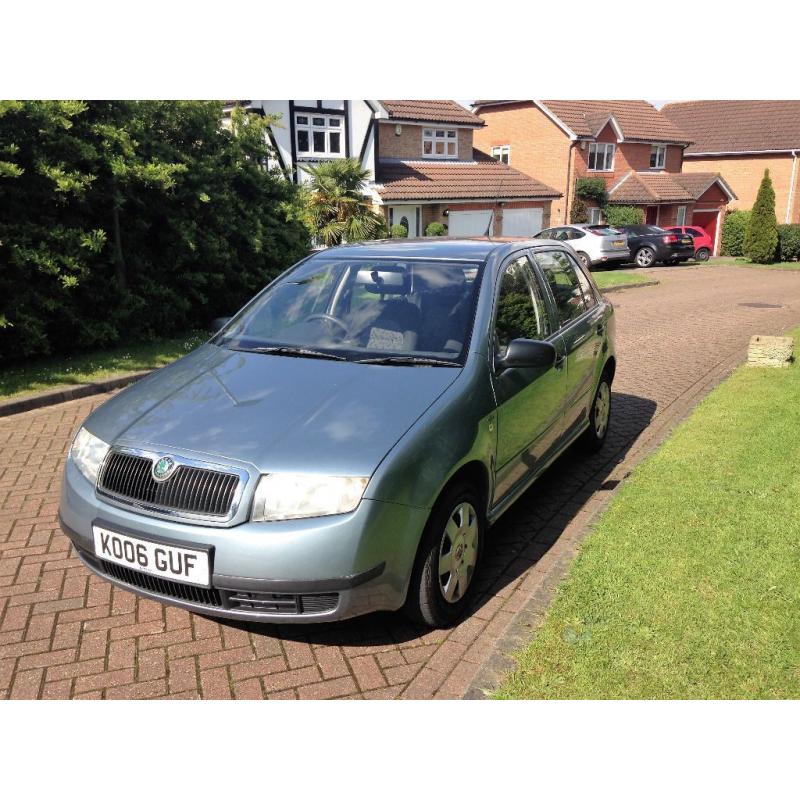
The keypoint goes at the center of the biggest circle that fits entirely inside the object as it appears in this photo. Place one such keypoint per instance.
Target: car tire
(456, 528)
(599, 416)
(586, 262)
(702, 254)
(645, 257)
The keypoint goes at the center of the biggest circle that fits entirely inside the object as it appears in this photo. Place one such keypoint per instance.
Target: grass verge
(688, 586)
(728, 261)
(606, 279)
(58, 372)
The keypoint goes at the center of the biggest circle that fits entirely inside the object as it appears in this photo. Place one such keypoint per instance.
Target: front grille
(180, 591)
(189, 489)
(283, 603)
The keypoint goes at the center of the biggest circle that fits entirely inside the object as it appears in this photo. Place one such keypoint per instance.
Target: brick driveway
(65, 633)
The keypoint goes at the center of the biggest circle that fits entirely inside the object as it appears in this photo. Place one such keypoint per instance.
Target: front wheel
(443, 579)
(702, 254)
(599, 417)
(645, 257)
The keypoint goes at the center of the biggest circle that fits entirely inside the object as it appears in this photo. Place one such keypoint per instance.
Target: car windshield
(379, 310)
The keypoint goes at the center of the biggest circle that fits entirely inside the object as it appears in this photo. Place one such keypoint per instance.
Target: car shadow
(514, 544)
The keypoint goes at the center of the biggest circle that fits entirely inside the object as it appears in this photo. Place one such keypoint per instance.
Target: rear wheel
(585, 260)
(599, 417)
(645, 257)
(702, 254)
(443, 579)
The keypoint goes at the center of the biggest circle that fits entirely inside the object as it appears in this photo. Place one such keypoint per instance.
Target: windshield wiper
(300, 352)
(409, 361)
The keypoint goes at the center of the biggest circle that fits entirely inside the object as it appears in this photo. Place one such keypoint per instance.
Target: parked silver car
(593, 244)
(343, 443)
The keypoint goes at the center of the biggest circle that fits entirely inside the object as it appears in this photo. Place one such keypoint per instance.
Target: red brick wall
(408, 145)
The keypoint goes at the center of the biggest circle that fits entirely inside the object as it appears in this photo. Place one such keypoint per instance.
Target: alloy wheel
(458, 552)
(602, 409)
(644, 258)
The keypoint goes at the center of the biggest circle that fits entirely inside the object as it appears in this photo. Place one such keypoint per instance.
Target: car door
(580, 320)
(529, 401)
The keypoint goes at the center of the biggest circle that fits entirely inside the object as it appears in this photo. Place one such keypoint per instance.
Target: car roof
(429, 247)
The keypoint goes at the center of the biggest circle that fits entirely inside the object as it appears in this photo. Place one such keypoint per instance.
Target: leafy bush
(435, 229)
(623, 215)
(733, 229)
(789, 242)
(579, 213)
(123, 221)
(591, 189)
(761, 235)
(398, 231)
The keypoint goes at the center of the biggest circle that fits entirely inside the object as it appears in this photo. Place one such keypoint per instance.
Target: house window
(681, 216)
(439, 143)
(319, 135)
(658, 156)
(594, 216)
(502, 153)
(601, 156)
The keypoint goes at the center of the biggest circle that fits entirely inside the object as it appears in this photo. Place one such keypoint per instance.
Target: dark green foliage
(591, 189)
(761, 235)
(122, 221)
(435, 229)
(623, 215)
(733, 230)
(579, 213)
(789, 242)
(398, 231)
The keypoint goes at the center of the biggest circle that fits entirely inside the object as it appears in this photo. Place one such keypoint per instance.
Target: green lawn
(605, 279)
(689, 586)
(58, 372)
(728, 261)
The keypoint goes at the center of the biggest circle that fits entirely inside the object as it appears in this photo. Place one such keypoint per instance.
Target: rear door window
(563, 278)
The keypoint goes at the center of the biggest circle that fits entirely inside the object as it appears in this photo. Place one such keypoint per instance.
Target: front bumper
(297, 571)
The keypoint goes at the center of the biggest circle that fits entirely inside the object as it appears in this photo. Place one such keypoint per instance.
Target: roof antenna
(488, 233)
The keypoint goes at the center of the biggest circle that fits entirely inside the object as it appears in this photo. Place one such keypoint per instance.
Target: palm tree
(338, 209)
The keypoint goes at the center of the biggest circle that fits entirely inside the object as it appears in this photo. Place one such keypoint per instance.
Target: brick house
(420, 157)
(740, 139)
(629, 144)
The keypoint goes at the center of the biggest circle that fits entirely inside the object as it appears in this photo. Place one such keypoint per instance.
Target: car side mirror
(218, 323)
(527, 353)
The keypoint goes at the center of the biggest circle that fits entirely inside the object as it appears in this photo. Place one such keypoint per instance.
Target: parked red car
(703, 243)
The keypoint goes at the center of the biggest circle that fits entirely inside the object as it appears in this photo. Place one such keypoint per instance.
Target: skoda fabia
(343, 443)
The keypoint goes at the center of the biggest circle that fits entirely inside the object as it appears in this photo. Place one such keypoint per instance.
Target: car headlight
(298, 495)
(88, 452)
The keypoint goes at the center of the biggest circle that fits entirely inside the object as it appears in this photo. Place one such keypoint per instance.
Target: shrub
(398, 231)
(761, 235)
(591, 189)
(789, 242)
(623, 215)
(579, 213)
(733, 229)
(435, 229)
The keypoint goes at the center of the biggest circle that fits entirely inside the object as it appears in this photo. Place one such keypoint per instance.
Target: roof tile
(431, 111)
(639, 188)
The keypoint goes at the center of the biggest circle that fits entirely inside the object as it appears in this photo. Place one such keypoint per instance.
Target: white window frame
(658, 150)
(445, 136)
(332, 123)
(595, 214)
(605, 148)
(680, 217)
(500, 150)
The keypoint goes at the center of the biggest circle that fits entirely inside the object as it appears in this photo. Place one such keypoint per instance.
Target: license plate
(686, 240)
(163, 560)
(618, 243)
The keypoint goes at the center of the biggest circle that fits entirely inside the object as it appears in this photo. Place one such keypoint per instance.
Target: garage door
(521, 221)
(468, 223)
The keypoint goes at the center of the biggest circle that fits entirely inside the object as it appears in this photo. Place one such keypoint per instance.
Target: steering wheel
(330, 318)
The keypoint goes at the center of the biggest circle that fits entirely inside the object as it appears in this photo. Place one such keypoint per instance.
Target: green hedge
(579, 213)
(398, 231)
(591, 189)
(789, 242)
(623, 215)
(122, 221)
(435, 229)
(761, 235)
(733, 230)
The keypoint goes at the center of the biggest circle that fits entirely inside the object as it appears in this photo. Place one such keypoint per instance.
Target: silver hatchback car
(342, 444)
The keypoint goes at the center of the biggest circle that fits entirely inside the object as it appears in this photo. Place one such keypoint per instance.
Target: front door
(651, 216)
(529, 401)
(580, 319)
(407, 216)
